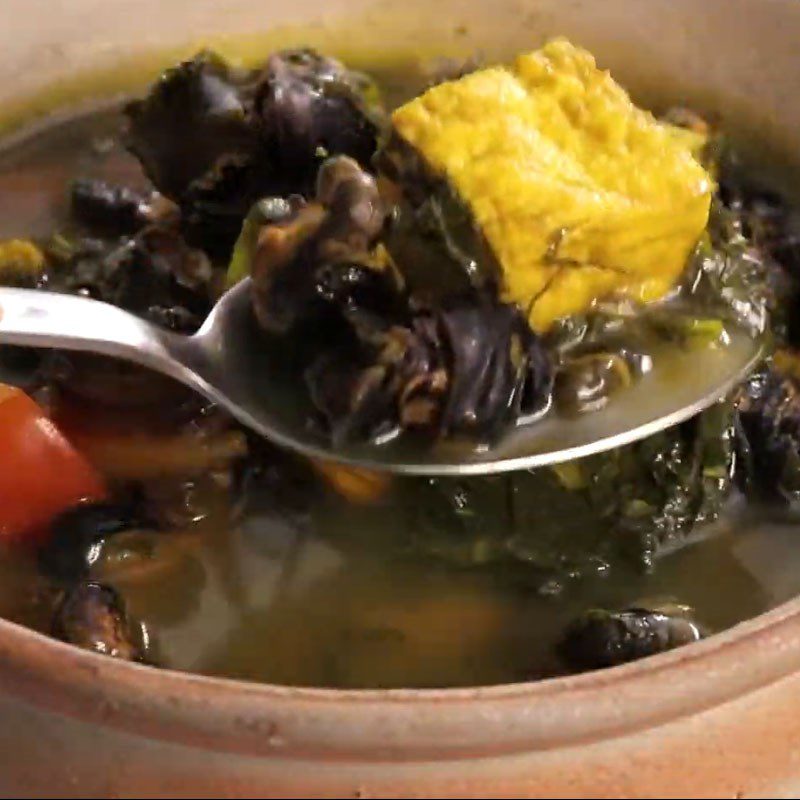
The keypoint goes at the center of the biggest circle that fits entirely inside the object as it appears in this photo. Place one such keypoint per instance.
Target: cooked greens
(633, 503)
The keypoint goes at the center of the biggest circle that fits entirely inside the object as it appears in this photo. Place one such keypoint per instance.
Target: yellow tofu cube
(578, 193)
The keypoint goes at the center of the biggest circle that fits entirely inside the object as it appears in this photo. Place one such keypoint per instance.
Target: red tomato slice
(41, 474)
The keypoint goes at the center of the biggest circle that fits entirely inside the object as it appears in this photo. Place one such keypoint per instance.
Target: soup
(196, 546)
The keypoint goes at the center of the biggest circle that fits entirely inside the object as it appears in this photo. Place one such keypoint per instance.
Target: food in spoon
(421, 290)
(574, 192)
(500, 244)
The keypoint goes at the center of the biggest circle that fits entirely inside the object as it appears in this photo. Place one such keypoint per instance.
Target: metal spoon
(228, 362)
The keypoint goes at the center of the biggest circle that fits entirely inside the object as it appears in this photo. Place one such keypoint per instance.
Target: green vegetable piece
(264, 212)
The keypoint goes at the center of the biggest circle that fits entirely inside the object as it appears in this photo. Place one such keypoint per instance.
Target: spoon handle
(47, 319)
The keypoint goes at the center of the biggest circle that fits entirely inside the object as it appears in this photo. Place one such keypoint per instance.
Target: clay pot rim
(400, 724)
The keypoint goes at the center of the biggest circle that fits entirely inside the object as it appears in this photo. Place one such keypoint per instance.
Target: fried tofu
(577, 193)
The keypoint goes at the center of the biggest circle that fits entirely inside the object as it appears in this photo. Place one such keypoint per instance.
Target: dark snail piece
(93, 617)
(603, 638)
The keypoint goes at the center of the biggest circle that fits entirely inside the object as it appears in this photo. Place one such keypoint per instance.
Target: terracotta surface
(718, 719)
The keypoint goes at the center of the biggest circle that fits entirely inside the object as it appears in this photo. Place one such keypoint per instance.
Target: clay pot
(717, 719)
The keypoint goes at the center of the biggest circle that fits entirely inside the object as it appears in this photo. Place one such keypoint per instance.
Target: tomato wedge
(41, 474)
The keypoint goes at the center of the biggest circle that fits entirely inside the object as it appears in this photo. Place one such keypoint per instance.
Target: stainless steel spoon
(227, 361)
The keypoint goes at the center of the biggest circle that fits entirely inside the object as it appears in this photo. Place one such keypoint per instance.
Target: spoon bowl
(229, 362)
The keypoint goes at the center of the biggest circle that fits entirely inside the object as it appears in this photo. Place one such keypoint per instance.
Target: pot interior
(274, 600)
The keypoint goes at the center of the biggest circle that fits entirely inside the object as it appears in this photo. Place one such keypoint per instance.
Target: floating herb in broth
(224, 556)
